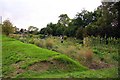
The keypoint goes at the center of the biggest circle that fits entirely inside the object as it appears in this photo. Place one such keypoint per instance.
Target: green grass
(103, 73)
(14, 52)
(26, 55)
(0, 55)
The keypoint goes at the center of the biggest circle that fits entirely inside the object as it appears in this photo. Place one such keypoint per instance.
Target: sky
(38, 13)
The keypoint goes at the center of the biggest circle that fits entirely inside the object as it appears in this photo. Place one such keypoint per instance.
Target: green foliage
(79, 33)
(24, 55)
(103, 73)
(7, 27)
(32, 29)
(102, 22)
(99, 53)
(64, 20)
(41, 36)
(65, 37)
(72, 47)
(31, 41)
(40, 43)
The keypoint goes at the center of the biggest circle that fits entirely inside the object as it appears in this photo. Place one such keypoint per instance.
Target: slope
(27, 59)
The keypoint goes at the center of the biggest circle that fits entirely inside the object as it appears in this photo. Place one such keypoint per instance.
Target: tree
(64, 20)
(84, 18)
(108, 23)
(43, 31)
(102, 22)
(7, 27)
(105, 23)
(79, 33)
(50, 29)
(32, 30)
(60, 29)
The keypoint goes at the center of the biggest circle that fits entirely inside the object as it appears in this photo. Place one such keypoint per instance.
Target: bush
(41, 36)
(86, 41)
(31, 41)
(88, 55)
(14, 36)
(22, 39)
(85, 55)
(30, 35)
(65, 37)
(49, 43)
(7, 27)
(39, 43)
(70, 50)
(36, 42)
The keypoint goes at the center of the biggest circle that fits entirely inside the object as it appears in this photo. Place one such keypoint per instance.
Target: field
(55, 59)
(0, 56)
(35, 44)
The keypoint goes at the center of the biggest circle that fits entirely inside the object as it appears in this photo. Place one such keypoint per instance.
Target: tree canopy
(101, 22)
(7, 27)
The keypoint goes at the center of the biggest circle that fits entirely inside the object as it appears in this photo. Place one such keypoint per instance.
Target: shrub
(31, 41)
(14, 36)
(49, 43)
(86, 41)
(70, 50)
(65, 37)
(39, 43)
(22, 39)
(85, 55)
(7, 27)
(41, 36)
(36, 42)
(30, 35)
(88, 55)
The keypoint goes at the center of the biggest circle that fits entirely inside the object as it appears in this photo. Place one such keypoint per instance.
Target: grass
(19, 58)
(74, 48)
(103, 73)
(0, 55)
(25, 55)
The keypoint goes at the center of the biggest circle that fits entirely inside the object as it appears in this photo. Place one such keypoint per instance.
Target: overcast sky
(38, 13)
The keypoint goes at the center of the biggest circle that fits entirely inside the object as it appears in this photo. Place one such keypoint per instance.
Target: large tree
(101, 22)
(64, 20)
(106, 23)
(7, 27)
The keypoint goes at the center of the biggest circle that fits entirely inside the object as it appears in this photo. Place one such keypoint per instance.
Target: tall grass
(49, 43)
(98, 41)
(85, 55)
(40, 43)
(93, 49)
